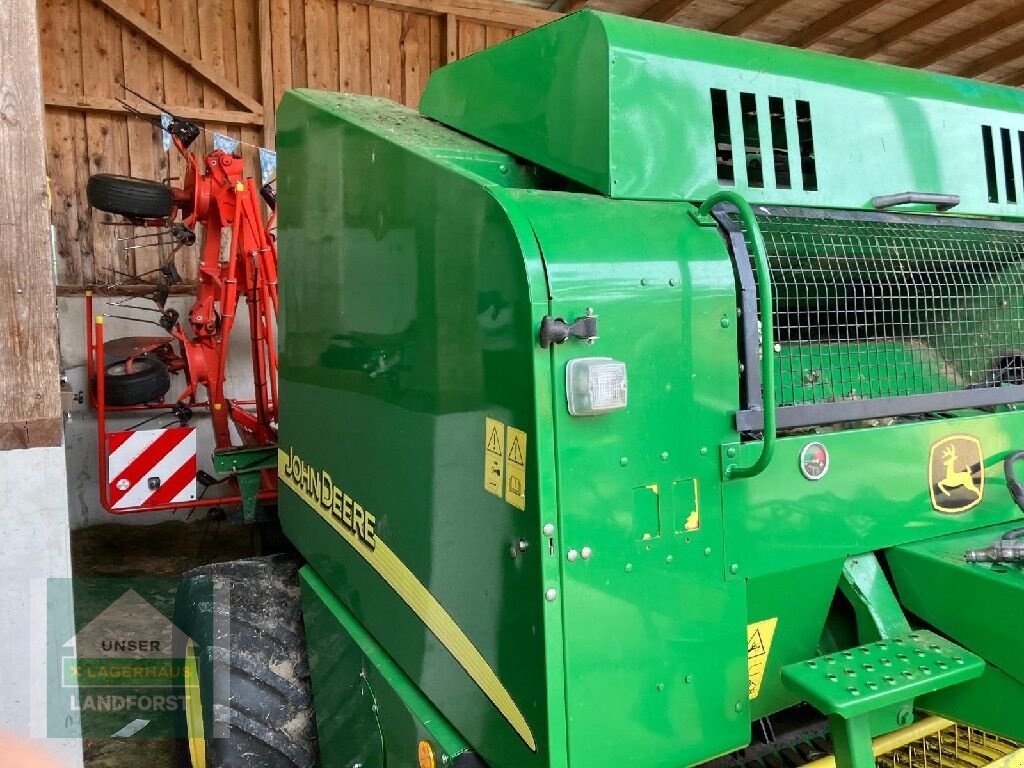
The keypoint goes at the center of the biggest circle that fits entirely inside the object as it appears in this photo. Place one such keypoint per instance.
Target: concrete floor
(158, 553)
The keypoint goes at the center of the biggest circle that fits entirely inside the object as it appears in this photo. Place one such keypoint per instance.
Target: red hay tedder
(156, 469)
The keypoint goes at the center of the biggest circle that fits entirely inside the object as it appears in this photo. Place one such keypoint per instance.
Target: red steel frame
(239, 258)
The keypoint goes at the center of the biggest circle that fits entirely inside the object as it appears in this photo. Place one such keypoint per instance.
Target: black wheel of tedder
(127, 196)
(247, 697)
(148, 380)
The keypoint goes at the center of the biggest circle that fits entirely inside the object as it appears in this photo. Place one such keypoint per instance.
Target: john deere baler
(642, 397)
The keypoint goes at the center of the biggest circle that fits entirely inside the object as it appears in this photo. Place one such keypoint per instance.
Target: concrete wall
(34, 532)
(80, 428)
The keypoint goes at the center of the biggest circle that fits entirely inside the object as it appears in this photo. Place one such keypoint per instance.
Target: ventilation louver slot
(1004, 161)
(758, 140)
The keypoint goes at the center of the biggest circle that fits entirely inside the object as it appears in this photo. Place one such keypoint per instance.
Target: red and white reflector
(151, 467)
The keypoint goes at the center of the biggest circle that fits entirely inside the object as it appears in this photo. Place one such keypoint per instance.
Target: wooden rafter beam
(494, 12)
(977, 33)
(905, 28)
(998, 57)
(664, 10)
(829, 23)
(749, 16)
(566, 6)
(112, 106)
(1017, 78)
(159, 38)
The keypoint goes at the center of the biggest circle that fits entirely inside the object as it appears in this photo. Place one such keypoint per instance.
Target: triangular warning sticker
(755, 645)
(515, 451)
(493, 441)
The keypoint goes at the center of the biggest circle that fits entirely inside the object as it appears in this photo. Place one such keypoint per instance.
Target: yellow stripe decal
(422, 603)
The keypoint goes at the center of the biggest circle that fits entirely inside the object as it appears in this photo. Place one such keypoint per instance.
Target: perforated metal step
(869, 677)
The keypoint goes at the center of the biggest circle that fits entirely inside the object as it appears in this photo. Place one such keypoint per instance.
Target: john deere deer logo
(956, 476)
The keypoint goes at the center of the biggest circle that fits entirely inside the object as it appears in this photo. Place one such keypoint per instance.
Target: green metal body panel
(395, 410)
(614, 104)
(650, 627)
(370, 713)
(979, 606)
(605, 616)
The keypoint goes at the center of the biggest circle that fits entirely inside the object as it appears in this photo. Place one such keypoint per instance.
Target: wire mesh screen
(892, 306)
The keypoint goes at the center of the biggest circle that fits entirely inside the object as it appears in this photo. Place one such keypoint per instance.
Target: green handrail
(764, 292)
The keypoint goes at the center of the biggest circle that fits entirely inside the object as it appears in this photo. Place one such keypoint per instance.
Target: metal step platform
(849, 685)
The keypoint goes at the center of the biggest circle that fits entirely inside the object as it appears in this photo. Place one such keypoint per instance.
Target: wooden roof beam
(956, 43)
(997, 58)
(828, 24)
(1015, 78)
(566, 6)
(665, 10)
(905, 28)
(749, 16)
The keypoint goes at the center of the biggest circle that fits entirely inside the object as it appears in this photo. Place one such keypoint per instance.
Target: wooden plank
(451, 38)
(826, 25)
(211, 51)
(178, 86)
(322, 45)
(102, 289)
(30, 411)
(106, 135)
(662, 10)
(280, 47)
(122, 10)
(1002, 55)
(264, 49)
(385, 53)
(112, 106)
(438, 43)
(188, 15)
(918, 21)
(354, 47)
(472, 38)
(495, 35)
(61, 168)
(968, 37)
(416, 62)
(297, 32)
(143, 138)
(60, 43)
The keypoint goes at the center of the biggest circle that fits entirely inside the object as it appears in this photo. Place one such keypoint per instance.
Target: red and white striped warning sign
(151, 467)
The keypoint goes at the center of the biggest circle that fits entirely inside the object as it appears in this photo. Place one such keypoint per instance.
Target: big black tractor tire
(127, 196)
(247, 697)
(148, 380)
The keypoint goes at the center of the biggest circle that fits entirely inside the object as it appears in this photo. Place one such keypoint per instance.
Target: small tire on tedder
(246, 672)
(148, 380)
(127, 196)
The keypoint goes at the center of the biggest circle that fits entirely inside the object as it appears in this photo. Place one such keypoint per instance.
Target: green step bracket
(247, 465)
(850, 685)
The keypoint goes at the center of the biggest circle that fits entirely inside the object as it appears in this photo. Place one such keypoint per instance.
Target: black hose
(1014, 486)
(1009, 548)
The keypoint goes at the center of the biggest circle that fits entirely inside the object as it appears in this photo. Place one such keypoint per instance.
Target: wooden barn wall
(215, 61)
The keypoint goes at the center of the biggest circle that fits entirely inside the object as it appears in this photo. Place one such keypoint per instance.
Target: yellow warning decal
(310, 484)
(515, 468)
(494, 456)
(759, 645)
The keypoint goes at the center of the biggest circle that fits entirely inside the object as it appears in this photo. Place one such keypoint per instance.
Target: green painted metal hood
(624, 107)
